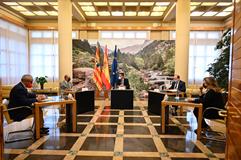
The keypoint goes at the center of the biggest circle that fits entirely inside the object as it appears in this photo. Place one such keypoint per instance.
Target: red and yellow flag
(105, 75)
(97, 70)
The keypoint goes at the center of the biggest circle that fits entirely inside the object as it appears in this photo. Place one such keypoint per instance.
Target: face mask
(29, 85)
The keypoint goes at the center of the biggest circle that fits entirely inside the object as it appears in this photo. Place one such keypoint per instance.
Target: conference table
(181, 101)
(122, 99)
(56, 100)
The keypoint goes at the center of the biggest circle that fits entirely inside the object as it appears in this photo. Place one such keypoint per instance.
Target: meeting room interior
(120, 79)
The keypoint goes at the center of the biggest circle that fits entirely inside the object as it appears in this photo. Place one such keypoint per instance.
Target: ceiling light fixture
(104, 13)
(91, 14)
(85, 3)
(88, 8)
(40, 13)
(142, 13)
(195, 3)
(156, 13)
(131, 3)
(18, 8)
(27, 13)
(196, 13)
(115, 3)
(11, 3)
(117, 13)
(26, 3)
(159, 8)
(52, 13)
(223, 14)
(208, 14)
(41, 3)
(146, 3)
(162, 3)
(208, 3)
(100, 3)
(229, 9)
(130, 13)
(224, 3)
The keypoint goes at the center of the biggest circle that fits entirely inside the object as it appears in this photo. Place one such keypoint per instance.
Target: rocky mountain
(135, 48)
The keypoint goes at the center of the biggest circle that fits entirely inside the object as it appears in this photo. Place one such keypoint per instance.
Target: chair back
(5, 111)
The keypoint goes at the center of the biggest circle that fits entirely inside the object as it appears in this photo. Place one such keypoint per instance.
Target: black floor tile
(133, 113)
(45, 157)
(109, 112)
(190, 159)
(141, 158)
(180, 145)
(136, 130)
(19, 145)
(107, 119)
(134, 120)
(182, 120)
(99, 144)
(139, 145)
(214, 146)
(9, 156)
(92, 158)
(58, 143)
(84, 118)
(172, 130)
(104, 129)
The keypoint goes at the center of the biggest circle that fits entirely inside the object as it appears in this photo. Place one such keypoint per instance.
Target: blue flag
(114, 74)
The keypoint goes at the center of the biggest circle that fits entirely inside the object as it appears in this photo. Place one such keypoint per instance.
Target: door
(233, 147)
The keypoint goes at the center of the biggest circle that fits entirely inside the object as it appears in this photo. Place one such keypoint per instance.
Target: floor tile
(99, 144)
(107, 119)
(141, 158)
(172, 130)
(84, 118)
(134, 120)
(139, 145)
(183, 120)
(10, 156)
(109, 112)
(214, 146)
(190, 159)
(92, 158)
(180, 145)
(133, 113)
(104, 129)
(45, 157)
(157, 120)
(136, 130)
(58, 143)
(19, 145)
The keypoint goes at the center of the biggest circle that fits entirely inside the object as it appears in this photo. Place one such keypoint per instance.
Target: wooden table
(174, 93)
(181, 102)
(1, 132)
(54, 100)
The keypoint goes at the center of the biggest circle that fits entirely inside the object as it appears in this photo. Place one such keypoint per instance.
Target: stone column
(65, 38)
(182, 38)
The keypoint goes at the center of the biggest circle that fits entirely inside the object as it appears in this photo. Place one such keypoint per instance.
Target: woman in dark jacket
(211, 98)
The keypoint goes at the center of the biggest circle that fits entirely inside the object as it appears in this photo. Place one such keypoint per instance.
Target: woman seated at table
(212, 97)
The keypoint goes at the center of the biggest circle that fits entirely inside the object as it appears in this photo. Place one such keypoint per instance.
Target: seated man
(66, 84)
(123, 82)
(178, 85)
(19, 96)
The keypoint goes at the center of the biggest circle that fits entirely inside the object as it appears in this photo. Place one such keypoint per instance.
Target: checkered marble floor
(108, 134)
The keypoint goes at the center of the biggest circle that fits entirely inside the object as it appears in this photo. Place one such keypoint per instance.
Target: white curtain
(44, 54)
(13, 52)
(201, 53)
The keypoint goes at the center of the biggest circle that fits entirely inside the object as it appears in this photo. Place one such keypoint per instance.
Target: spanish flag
(105, 75)
(97, 70)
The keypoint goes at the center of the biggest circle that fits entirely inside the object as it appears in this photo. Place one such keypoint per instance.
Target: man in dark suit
(179, 85)
(123, 82)
(19, 96)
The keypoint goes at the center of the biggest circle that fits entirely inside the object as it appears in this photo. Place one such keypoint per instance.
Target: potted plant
(41, 81)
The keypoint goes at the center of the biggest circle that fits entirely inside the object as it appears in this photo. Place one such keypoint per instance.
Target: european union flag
(114, 74)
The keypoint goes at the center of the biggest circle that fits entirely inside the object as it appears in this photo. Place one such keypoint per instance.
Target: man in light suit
(66, 84)
(179, 85)
(123, 81)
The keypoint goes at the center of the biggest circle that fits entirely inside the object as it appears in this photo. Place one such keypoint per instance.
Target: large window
(13, 52)
(124, 34)
(201, 53)
(44, 54)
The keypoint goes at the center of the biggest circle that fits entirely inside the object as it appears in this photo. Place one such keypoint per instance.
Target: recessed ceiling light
(208, 3)
(40, 13)
(100, 3)
(131, 3)
(229, 9)
(88, 8)
(56, 7)
(91, 13)
(117, 13)
(26, 3)
(53, 3)
(207, 14)
(162, 3)
(41, 3)
(52, 13)
(156, 13)
(11, 3)
(143, 13)
(19, 8)
(192, 8)
(130, 13)
(223, 14)
(224, 3)
(115, 3)
(195, 3)
(27, 13)
(85, 3)
(104, 13)
(196, 13)
(159, 8)
(146, 3)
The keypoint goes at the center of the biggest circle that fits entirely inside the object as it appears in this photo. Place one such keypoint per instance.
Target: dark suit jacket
(19, 96)
(126, 83)
(181, 86)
